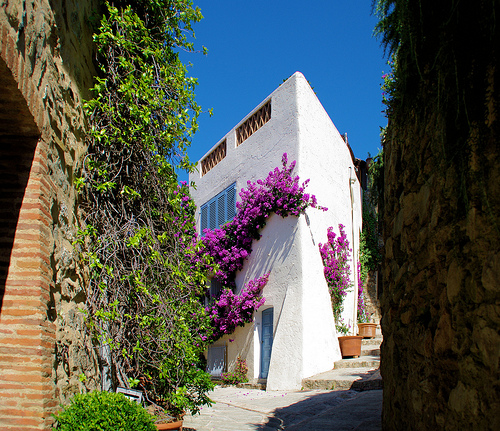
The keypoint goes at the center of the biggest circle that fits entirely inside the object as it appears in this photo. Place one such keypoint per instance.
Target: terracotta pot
(367, 330)
(350, 345)
(177, 425)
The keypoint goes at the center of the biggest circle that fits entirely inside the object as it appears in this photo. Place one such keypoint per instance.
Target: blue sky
(254, 45)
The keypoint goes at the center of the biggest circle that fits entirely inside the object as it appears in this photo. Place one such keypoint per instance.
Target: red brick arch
(27, 337)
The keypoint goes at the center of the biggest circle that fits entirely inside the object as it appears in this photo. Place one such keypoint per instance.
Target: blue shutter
(219, 210)
(215, 288)
(212, 215)
(231, 202)
(266, 342)
(204, 218)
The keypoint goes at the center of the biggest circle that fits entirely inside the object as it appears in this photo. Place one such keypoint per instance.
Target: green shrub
(104, 411)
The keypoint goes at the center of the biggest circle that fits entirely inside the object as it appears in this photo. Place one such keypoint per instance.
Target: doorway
(267, 342)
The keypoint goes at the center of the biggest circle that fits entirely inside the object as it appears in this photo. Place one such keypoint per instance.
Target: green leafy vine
(143, 293)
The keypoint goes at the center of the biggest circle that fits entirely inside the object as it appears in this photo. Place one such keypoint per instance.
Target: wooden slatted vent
(254, 123)
(213, 158)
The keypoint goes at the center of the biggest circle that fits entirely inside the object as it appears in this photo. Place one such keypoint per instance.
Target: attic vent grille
(213, 158)
(254, 123)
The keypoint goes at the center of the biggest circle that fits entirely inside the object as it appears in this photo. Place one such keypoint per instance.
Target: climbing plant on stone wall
(143, 293)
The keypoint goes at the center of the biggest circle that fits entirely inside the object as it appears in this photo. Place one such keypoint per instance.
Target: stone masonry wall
(372, 303)
(441, 271)
(46, 70)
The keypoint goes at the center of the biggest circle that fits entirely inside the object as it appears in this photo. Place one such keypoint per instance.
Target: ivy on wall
(143, 293)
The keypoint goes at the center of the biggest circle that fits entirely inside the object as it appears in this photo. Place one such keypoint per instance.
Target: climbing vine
(229, 246)
(143, 293)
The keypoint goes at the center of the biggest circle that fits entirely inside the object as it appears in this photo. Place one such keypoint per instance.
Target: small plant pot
(177, 425)
(350, 345)
(367, 330)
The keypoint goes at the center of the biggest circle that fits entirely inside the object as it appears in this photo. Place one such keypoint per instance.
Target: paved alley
(238, 409)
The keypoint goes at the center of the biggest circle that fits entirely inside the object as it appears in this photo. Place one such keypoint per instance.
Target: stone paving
(252, 409)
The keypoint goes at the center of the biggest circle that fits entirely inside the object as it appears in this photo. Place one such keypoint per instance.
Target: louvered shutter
(204, 218)
(221, 209)
(231, 202)
(215, 288)
(212, 216)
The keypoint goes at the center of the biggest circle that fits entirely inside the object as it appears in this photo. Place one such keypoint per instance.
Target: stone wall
(45, 71)
(372, 303)
(441, 272)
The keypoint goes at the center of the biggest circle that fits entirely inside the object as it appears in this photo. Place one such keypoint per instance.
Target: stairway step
(376, 341)
(370, 351)
(368, 361)
(359, 379)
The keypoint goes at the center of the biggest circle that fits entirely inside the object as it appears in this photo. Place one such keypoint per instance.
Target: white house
(293, 334)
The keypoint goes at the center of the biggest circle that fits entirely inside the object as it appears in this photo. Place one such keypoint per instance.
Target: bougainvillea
(230, 245)
(279, 193)
(239, 375)
(231, 310)
(335, 255)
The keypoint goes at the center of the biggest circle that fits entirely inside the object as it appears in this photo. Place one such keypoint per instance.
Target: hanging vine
(143, 292)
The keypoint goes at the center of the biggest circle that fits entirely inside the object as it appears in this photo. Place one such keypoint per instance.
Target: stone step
(371, 346)
(252, 385)
(358, 379)
(370, 350)
(377, 341)
(367, 361)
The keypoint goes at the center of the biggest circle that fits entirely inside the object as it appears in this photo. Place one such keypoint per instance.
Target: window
(216, 361)
(213, 158)
(219, 210)
(215, 288)
(254, 123)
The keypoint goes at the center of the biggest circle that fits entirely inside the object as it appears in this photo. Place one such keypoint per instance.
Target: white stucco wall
(304, 331)
(325, 159)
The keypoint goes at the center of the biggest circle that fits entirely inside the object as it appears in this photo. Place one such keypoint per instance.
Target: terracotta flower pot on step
(177, 425)
(350, 345)
(367, 330)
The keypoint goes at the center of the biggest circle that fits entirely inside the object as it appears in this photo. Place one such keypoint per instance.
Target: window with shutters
(219, 210)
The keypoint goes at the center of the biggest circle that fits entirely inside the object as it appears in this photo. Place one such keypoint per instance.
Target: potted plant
(335, 256)
(350, 345)
(365, 328)
(164, 421)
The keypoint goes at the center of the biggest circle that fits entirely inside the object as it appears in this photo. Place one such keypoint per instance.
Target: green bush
(104, 411)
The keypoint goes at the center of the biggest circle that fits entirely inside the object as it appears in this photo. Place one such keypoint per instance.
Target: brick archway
(18, 138)
(27, 392)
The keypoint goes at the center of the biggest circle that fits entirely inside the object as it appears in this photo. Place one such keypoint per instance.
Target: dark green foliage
(369, 250)
(430, 43)
(143, 296)
(376, 182)
(439, 71)
(104, 411)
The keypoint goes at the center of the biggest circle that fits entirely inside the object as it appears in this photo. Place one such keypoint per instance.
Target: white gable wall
(325, 159)
(304, 332)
